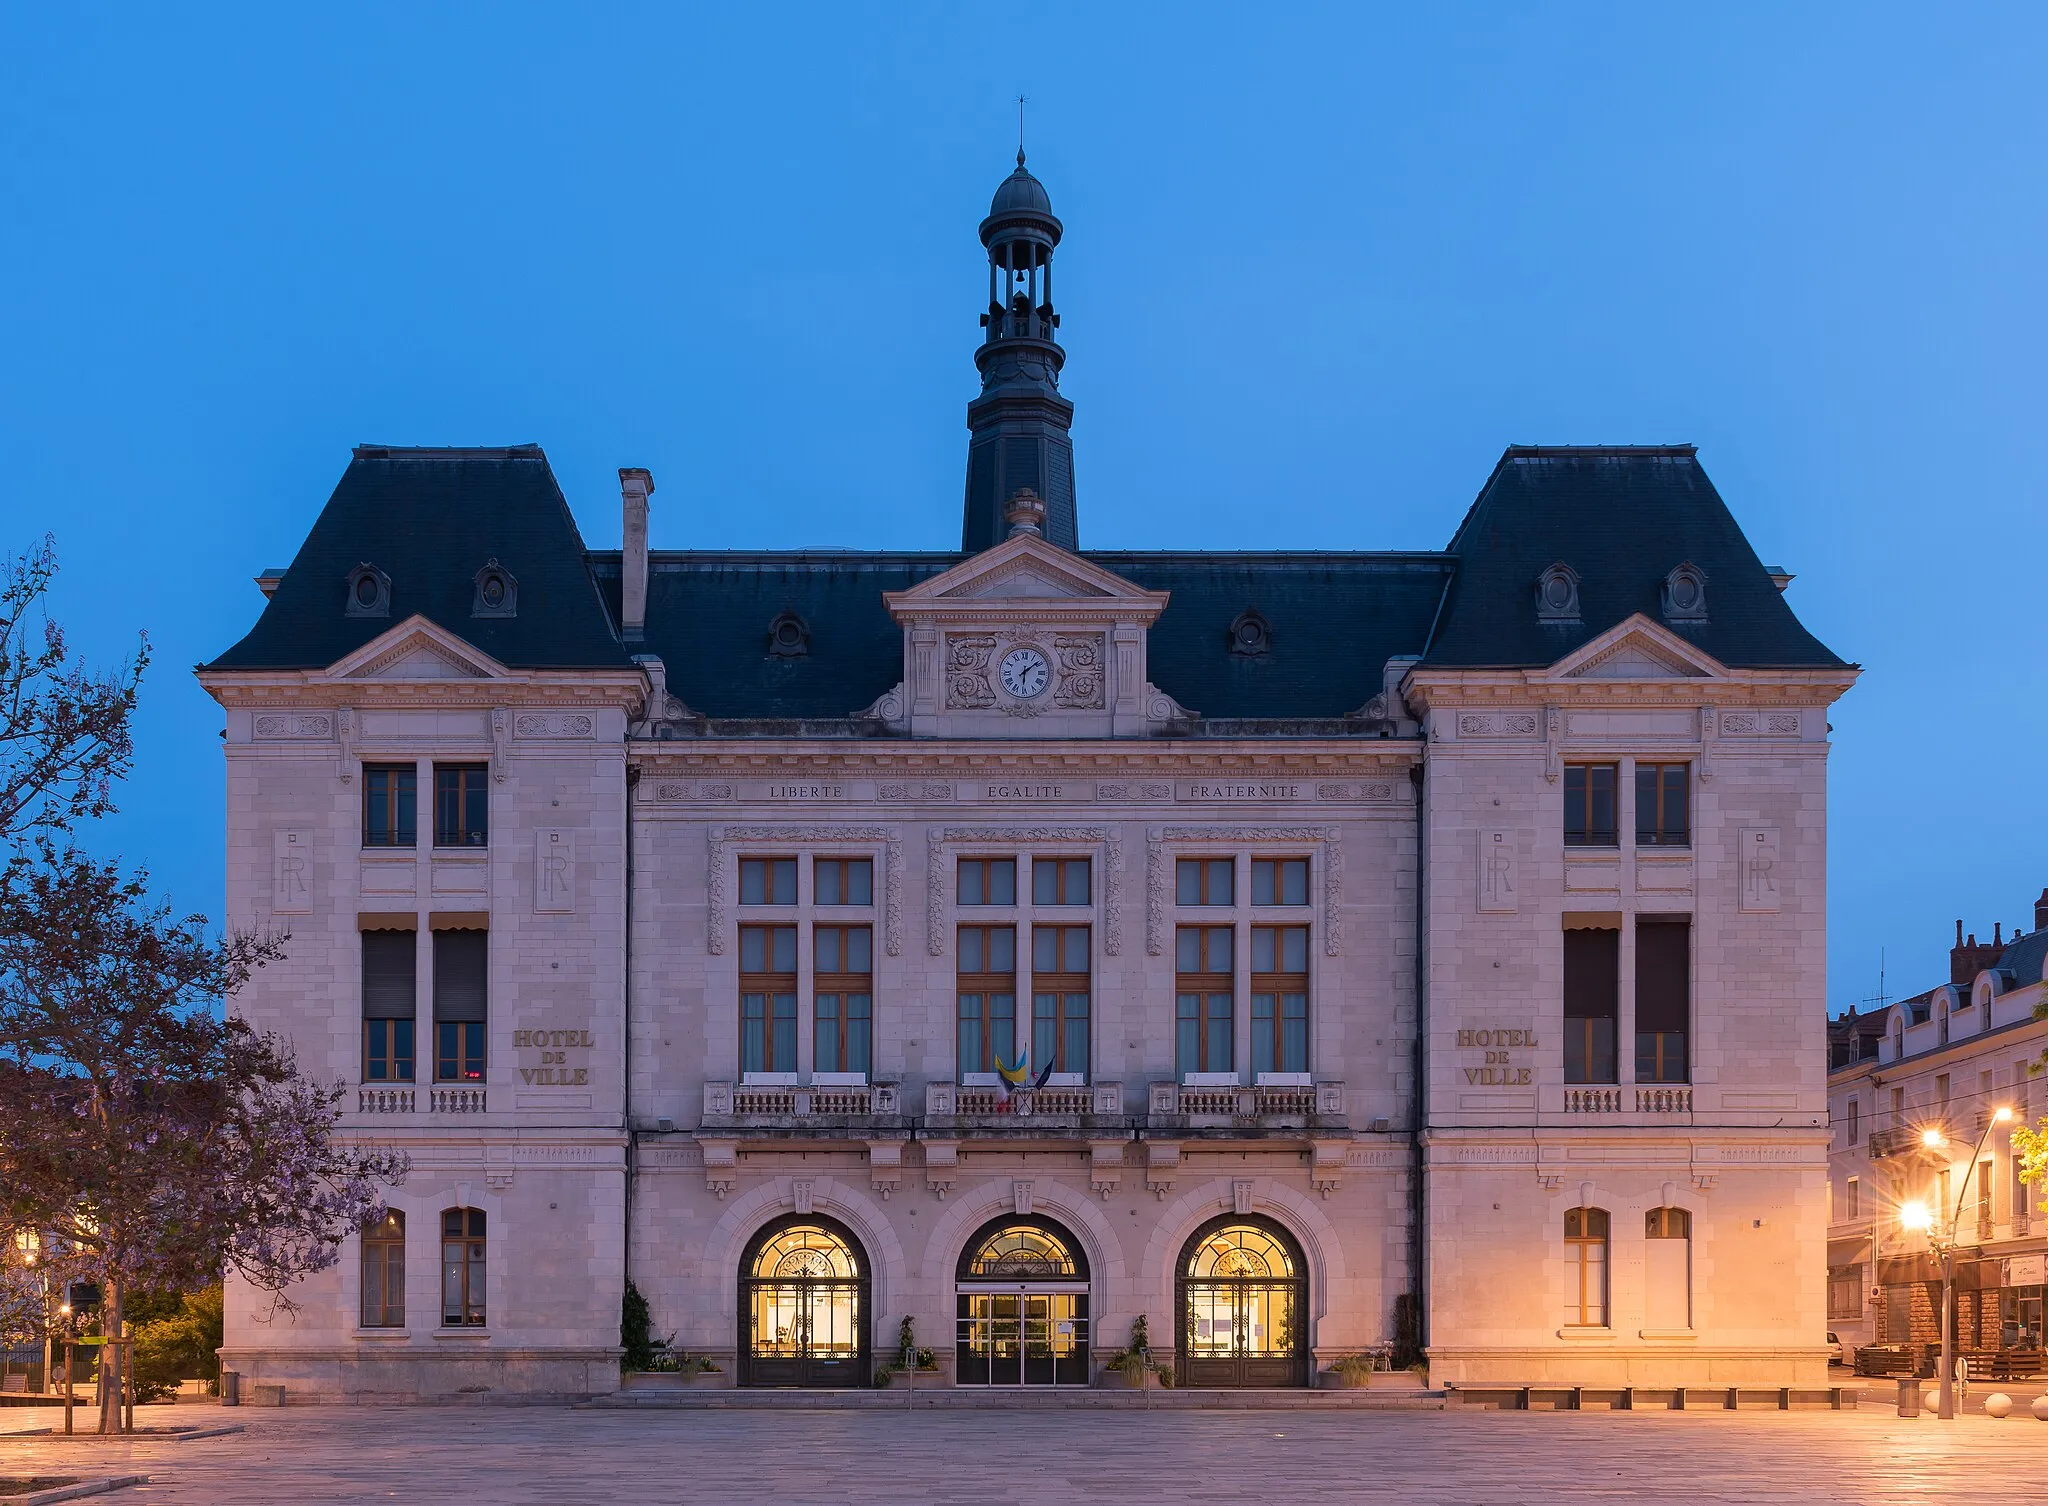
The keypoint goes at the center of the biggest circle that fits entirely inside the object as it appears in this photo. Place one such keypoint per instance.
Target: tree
(63, 730)
(151, 1142)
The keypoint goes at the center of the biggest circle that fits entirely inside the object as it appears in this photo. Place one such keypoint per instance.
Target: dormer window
(1251, 635)
(369, 592)
(789, 637)
(497, 593)
(1685, 594)
(1557, 594)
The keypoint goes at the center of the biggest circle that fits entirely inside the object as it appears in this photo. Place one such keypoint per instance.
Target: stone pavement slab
(555, 1456)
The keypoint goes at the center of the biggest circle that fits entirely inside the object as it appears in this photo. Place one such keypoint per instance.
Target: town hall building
(1311, 953)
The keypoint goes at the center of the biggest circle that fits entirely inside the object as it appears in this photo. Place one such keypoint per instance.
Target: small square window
(844, 881)
(1059, 881)
(767, 881)
(1279, 881)
(1204, 881)
(988, 881)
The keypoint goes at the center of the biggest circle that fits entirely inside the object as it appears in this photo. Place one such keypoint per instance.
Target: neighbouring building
(1913, 1091)
(1311, 952)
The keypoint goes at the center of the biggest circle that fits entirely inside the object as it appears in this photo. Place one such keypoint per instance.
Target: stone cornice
(1441, 689)
(1382, 758)
(313, 689)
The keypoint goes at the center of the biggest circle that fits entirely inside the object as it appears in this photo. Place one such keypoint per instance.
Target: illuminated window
(462, 1268)
(384, 1272)
(1585, 1280)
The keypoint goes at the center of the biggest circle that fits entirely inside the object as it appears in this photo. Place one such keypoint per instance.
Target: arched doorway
(804, 1306)
(1022, 1295)
(1240, 1297)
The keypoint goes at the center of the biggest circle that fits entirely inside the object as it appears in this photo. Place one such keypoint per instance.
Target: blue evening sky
(1321, 265)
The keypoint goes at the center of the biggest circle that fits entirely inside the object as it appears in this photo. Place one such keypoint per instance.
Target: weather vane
(1020, 130)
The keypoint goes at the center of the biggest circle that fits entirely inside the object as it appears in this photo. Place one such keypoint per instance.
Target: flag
(1011, 1075)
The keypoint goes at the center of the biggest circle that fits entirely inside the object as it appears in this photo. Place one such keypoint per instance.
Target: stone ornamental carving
(1146, 790)
(1159, 878)
(683, 789)
(717, 892)
(1497, 724)
(1078, 660)
(967, 663)
(1104, 837)
(1758, 871)
(298, 724)
(929, 789)
(574, 725)
(1557, 595)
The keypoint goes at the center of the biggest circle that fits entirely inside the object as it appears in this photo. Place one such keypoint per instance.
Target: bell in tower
(1019, 422)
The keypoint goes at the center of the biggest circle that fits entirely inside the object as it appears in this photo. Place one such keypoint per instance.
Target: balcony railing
(383, 1100)
(456, 1100)
(450, 1099)
(1259, 1105)
(1592, 1100)
(945, 1100)
(1900, 1140)
(1664, 1100)
(800, 1102)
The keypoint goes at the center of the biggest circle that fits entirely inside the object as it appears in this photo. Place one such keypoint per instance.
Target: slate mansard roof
(1622, 519)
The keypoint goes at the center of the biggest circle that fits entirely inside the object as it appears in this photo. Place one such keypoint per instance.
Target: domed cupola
(1020, 421)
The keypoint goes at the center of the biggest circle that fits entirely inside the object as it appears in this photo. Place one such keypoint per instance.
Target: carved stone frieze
(296, 724)
(968, 685)
(1078, 667)
(1497, 724)
(538, 724)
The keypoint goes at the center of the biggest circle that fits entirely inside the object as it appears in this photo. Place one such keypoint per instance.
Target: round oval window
(366, 591)
(494, 592)
(1557, 592)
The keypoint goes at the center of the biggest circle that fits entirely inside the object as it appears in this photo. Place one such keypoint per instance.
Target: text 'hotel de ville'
(1315, 954)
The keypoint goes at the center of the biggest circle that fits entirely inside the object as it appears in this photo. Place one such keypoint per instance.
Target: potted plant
(1351, 1373)
(1134, 1367)
(706, 1374)
(909, 1357)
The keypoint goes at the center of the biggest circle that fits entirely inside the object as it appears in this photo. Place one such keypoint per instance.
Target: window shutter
(460, 972)
(389, 971)
(1592, 961)
(1663, 970)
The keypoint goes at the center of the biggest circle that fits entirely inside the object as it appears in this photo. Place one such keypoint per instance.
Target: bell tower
(1019, 422)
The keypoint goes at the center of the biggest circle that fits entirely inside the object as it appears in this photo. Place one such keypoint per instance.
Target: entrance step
(940, 1398)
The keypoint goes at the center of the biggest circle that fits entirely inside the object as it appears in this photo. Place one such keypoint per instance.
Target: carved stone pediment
(414, 650)
(1026, 640)
(1637, 649)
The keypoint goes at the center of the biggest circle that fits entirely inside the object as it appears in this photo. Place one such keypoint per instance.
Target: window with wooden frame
(1667, 1269)
(1663, 997)
(390, 805)
(1059, 881)
(767, 881)
(1663, 805)
(462, 805)
(768, 999)
(1585, 1278)
(1279, 999)
(843, 881)
(390, 1004)
(1279, 881)
(987, 881)
(1204, 881)
(383, 1271)
(1202, 985)
(461, 1004)
(1059, 998)
(1589, 811)
(842, 998)
(1855, 1115)
(1852, 1198)
(987, 991)
(1592, 1004)
(462, 1268)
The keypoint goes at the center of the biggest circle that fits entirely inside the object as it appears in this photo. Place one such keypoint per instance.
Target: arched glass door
(804, 1306)
(1022, 1305)
(1242, 1295)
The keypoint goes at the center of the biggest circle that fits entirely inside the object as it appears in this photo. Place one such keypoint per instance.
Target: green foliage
(636, 1331)
(178, 1343)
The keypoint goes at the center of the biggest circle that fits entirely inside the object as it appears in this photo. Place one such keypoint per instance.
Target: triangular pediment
(1637, 649)
(417, 649)
(1024, 569)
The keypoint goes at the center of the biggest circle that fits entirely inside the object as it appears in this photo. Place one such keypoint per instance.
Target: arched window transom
(1240, 1251)
(1022, 1252)
(806, 1252)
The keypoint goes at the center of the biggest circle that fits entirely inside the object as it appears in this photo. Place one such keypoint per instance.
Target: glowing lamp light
(1915, 1216)
(1933, 1139)
(2000, 1114)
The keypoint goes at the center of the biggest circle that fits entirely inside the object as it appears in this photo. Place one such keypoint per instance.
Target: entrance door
(803, 1307)
(1022, 1332)
(1243, 1306)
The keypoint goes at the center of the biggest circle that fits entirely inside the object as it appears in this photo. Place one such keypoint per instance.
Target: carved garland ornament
(890, 841)
(1104, 836)
(1159, 881)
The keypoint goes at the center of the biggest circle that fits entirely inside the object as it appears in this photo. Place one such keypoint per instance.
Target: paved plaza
(554, 1456)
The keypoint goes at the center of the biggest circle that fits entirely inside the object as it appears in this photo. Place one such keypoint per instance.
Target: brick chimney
(635, 487)
(1966, 959)
(2041, 911)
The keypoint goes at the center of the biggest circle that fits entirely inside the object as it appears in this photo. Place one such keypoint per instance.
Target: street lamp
(1918, 1217)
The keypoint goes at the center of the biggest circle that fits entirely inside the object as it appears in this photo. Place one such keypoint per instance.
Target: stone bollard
(1997, 1404)
(2040, 1408)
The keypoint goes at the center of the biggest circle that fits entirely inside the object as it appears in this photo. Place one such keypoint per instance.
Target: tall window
(390, 805)
(1589, 805)
(1941, 1093)
(767, 999)
(1852, 1199)
(1898, 1107)
(384, 1271)
(767, 881)
(843, 881)
(1663, 997)
(1059, 997)
(461, 1004)
(1668, 1258)
(988, 996)
(1985, 1172)
(1279, 881)
(462, 1268)
(1279, 998)
(389, 1004)
(843, 995)
(1059, 881)
(988, 881)
(462, 815)
(1204, 881)
(1663, 815)
(1592, 962)
(1585, 1280)
(1202, 1000)
(1855, 1116)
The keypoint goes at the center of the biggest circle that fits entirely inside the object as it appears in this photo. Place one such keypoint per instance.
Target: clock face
(1025, 673)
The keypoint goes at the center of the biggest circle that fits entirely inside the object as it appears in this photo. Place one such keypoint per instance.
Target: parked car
(1838, 1352)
